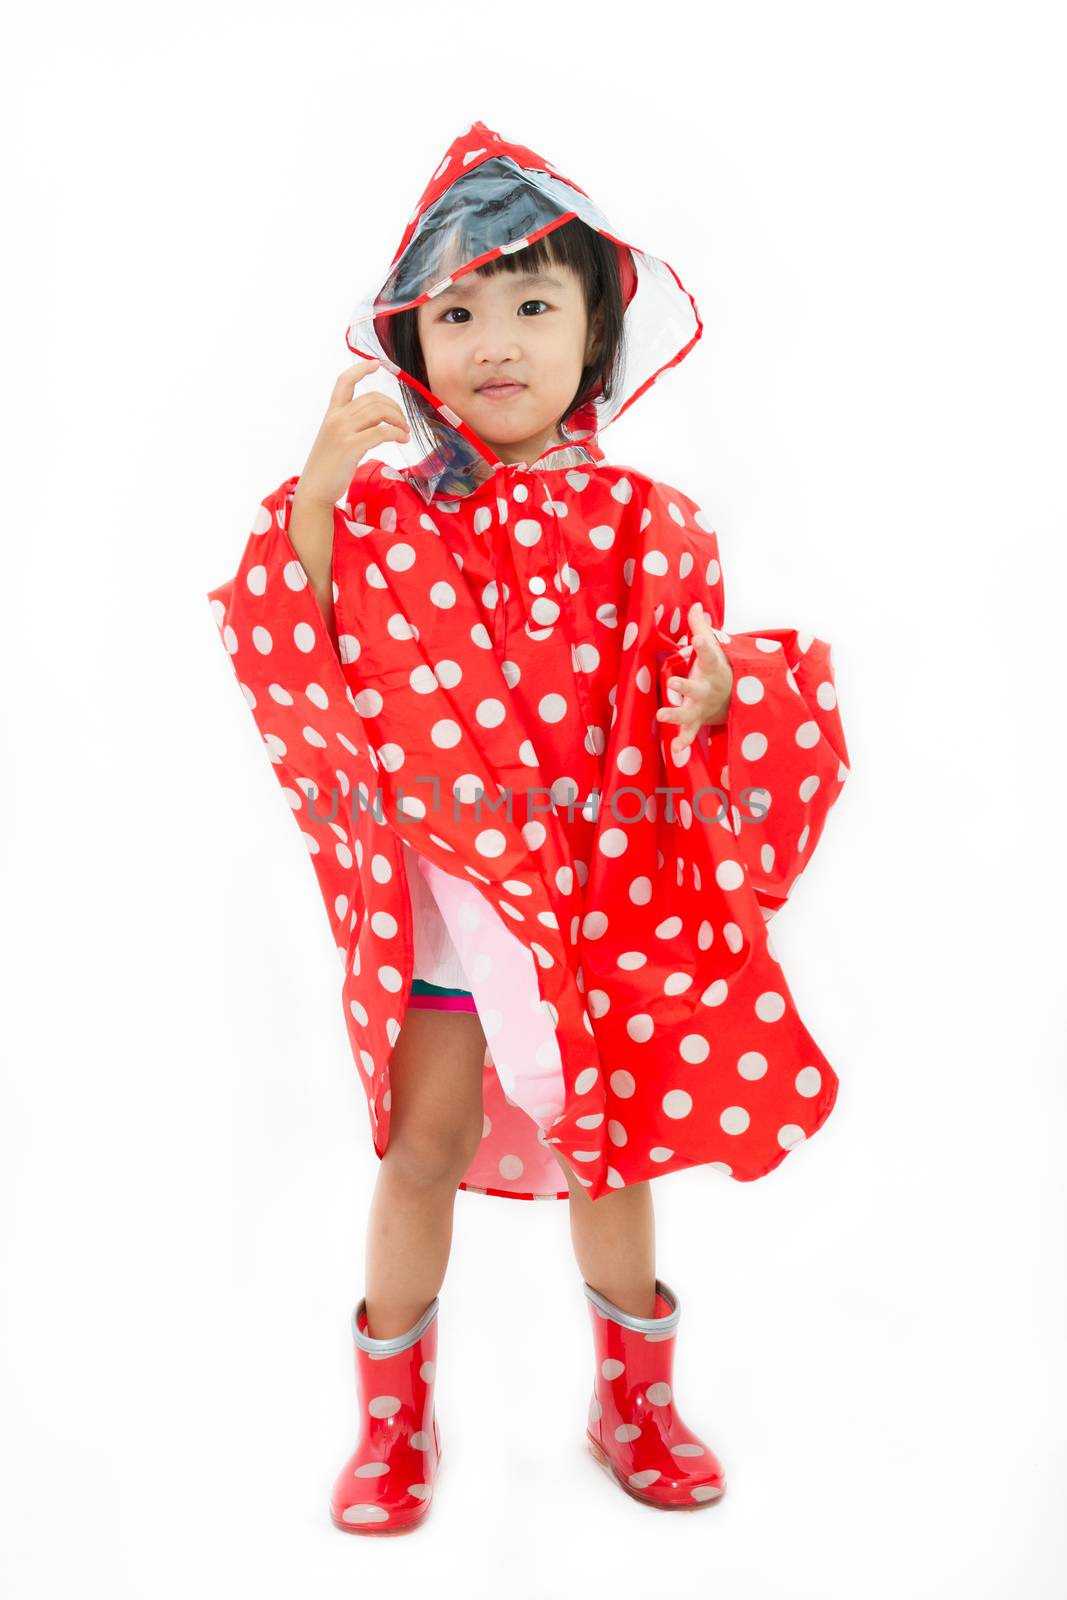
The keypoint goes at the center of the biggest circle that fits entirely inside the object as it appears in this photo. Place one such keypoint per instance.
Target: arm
(311, 533)
(780, 757)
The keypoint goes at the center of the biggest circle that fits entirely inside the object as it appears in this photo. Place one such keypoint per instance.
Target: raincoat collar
(441, 475)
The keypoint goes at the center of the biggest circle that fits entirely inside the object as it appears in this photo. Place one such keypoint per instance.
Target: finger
(367, 438)
(347, 380)
(376, 404)
(681, 714)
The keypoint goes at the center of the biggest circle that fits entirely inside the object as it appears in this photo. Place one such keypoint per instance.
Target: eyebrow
(463, 287)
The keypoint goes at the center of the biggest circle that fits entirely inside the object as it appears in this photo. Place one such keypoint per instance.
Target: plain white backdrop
(867, 204)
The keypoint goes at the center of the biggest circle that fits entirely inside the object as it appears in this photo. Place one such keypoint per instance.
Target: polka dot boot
(387, 1483)
(634, 1431)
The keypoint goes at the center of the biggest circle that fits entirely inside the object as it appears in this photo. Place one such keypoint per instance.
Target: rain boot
(634, 1432)
(387, 1483)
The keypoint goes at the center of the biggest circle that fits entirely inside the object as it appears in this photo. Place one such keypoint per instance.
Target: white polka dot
(735, 1119)
(552, 708)
(422, 680)
(808, 1081)
(694, 1048)
(640, 1027)
(752, 1064)
(770, 1006)
(729, 875)
(676, 1103)
(490, 713)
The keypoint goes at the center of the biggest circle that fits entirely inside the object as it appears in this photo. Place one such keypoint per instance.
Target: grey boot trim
(660, 1325)
(399, 1341)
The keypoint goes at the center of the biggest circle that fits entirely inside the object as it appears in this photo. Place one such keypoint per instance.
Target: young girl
(551, 804)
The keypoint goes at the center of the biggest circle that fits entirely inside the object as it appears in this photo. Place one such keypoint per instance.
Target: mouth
(500, 391)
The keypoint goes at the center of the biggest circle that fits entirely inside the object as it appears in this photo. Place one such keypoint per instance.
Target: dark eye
(446, 314)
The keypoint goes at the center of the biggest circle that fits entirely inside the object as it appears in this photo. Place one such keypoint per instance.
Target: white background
(867, 203)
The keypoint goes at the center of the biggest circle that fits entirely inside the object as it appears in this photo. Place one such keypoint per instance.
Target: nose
(496, 342)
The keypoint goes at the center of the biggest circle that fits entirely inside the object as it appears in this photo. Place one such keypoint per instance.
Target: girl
(449, 662)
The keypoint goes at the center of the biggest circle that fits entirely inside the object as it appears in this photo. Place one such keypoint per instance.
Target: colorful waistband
(433, 997)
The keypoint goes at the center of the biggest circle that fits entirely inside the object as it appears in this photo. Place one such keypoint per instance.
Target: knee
(433, 1156)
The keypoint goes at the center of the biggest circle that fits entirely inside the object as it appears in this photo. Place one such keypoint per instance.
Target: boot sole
(383, 1532)
(635, 1494)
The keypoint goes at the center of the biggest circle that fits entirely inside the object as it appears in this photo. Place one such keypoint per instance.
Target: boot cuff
(400, 1341)
(658, 1325)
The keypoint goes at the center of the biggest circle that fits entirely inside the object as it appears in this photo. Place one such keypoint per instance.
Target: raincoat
(503, 637)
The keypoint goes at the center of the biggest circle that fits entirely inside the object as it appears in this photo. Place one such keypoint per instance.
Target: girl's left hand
(708, 688)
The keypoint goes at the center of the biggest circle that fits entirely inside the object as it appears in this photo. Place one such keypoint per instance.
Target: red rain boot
(634, 1431)
(387, 1483)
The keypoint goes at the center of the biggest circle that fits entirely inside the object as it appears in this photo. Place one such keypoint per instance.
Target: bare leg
(614, 1242)
(435, 1075)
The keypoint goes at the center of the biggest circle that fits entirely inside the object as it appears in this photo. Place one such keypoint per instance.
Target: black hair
(593, 258)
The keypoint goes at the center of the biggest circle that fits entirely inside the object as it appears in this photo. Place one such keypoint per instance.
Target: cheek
(438, 361)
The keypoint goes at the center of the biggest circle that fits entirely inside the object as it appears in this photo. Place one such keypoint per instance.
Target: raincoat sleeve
(780, 759)
(289, 670)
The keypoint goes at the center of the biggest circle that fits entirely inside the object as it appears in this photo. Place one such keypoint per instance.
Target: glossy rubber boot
(634, 1431)
(387, 1483)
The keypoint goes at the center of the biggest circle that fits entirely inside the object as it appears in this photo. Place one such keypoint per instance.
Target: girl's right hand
(349, 429)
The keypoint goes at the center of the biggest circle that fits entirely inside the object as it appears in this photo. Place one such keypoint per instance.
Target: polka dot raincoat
(503, 636)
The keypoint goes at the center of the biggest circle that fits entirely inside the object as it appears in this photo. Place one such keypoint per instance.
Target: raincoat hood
(488, 198)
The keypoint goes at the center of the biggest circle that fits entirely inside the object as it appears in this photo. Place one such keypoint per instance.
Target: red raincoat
(504, 637)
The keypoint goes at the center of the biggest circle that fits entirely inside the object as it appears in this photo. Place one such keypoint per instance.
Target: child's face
(533, 332)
